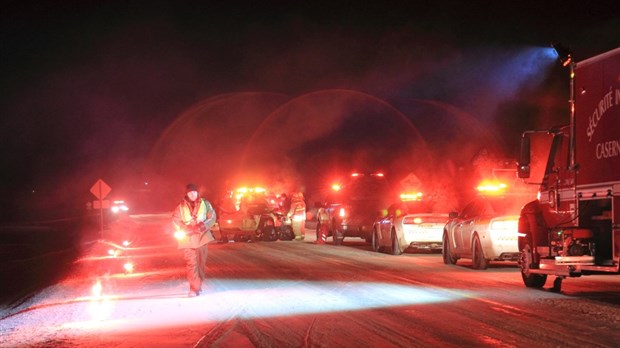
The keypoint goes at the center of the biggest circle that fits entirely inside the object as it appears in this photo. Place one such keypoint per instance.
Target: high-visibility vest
(182, 217)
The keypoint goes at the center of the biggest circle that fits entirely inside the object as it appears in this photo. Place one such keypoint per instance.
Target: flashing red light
(336, 187)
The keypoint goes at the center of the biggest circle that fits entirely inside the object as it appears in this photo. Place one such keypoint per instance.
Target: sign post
(100, 189)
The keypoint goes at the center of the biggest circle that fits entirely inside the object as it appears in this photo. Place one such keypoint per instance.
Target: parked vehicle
(409, 224)
(355, 204)
(485, 230)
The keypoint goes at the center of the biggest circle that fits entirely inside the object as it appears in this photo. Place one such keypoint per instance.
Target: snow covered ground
(300, 294)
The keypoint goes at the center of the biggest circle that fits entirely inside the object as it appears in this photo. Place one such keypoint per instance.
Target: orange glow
(180, 234)
(356, 175)
(378, 174)
(336, 187)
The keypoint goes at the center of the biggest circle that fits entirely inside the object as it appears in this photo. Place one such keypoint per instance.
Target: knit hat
(191, 187)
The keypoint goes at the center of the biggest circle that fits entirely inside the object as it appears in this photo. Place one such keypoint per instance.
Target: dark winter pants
(195, 264)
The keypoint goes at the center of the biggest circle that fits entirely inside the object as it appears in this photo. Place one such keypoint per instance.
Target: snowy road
(299, 294)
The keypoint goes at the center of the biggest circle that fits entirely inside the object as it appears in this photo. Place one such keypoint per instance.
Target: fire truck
(573, 228)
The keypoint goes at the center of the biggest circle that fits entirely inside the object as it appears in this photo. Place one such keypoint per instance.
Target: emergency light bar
(491, 187)
(411, 196)
(412, 220)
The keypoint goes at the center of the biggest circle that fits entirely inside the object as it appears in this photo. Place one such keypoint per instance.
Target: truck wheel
(525, 263)
(446, 251)
(477, 255)
(395, 245)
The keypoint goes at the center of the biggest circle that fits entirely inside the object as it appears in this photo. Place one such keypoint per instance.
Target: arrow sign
(100, 189)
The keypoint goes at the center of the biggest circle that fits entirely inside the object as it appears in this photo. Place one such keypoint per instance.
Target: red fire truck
(573, 228)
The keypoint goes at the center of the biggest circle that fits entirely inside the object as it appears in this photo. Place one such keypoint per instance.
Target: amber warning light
(411, 196)
(491, 187)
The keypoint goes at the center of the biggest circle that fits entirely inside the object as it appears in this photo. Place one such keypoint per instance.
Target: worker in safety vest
(193, 219)
(297, 214)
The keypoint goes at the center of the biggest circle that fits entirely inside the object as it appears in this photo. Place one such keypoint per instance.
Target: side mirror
(523, 166)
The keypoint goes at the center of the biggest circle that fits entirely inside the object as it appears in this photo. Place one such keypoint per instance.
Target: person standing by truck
(193, 219)
(297, 214)
(324, 222)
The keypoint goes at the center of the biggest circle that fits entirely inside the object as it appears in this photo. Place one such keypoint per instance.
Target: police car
(410, 223)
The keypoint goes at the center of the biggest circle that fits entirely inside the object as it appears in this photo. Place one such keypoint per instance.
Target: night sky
(113, 89)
